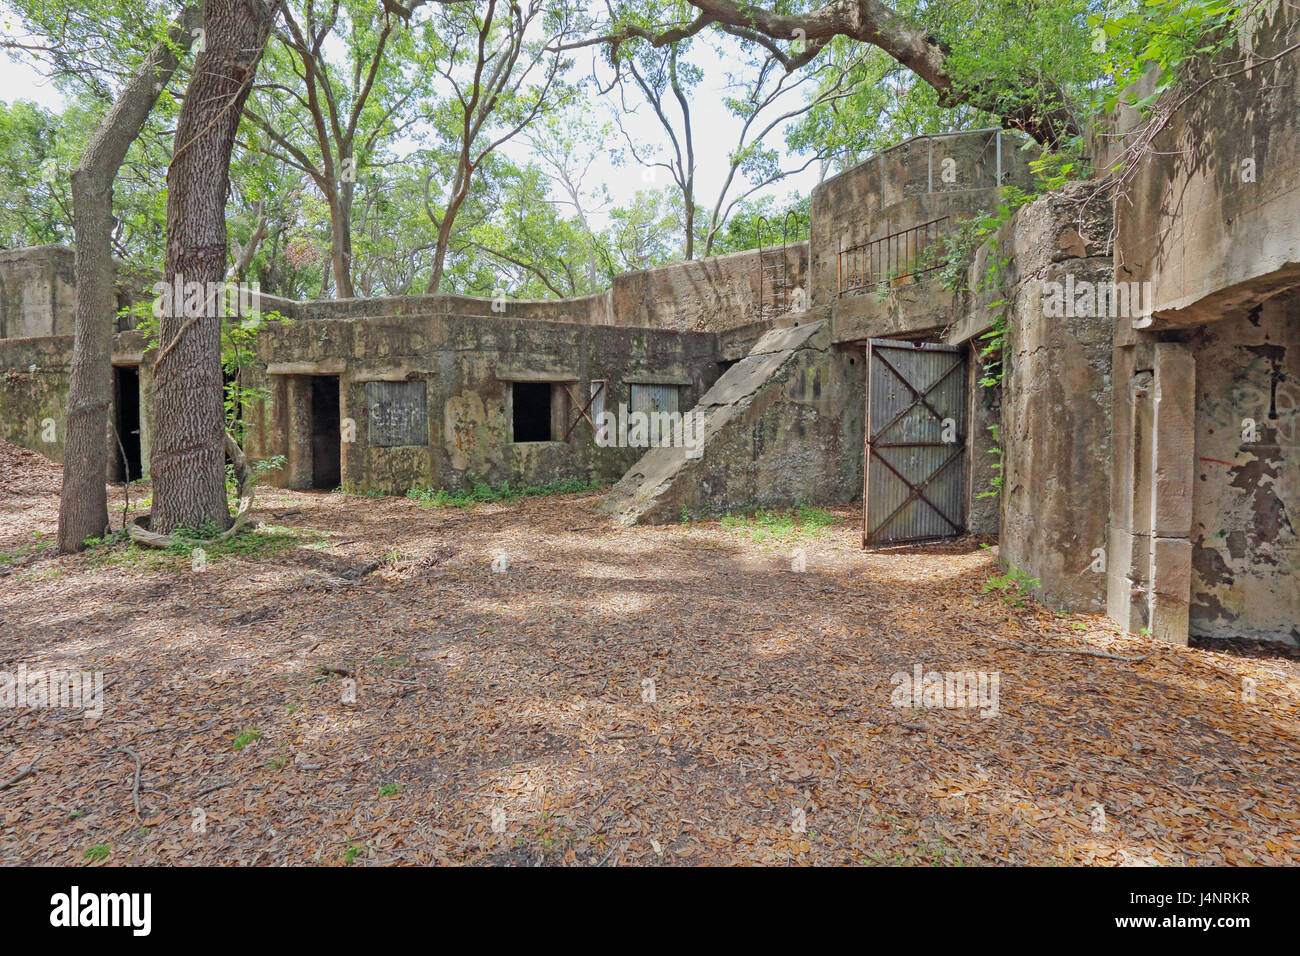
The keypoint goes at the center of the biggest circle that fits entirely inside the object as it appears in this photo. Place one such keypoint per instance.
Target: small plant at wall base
(1013, 586)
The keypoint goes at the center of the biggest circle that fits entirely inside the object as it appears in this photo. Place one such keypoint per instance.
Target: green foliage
(481, 492)
(532, 223)
(356, 848)
(244, 738)
(1012, 587)
(99, 851)
(995, 483)
(780, 524)
(786, 221)
(1163, 37)
(251, 544)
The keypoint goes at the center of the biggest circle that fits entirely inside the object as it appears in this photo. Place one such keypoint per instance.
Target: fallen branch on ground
(135, 783)
(23, 774)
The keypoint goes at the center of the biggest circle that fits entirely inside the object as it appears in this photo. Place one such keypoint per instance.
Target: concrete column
(298, 468)
(1149, 551)
(1173, 456)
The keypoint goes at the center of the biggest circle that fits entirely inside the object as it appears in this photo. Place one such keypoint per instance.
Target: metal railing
(774, 280)
(896, 258)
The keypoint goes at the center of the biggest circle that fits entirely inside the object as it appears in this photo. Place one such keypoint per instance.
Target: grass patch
(780, 524)
(244, 738)
(24, 550)
(483, 493)
(264, 541)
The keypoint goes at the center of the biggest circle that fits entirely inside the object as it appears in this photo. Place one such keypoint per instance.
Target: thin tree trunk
(340, 203)
(443, 244)
(189, 487)
(83, 505)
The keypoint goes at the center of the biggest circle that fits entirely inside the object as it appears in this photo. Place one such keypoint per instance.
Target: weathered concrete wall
(1202, 537)
(917, 181)
(714, 294)
(1211, 220)
(38, 294)
(1245, 543)
(467, 364)
(585, 310)
(33, 393)
(34, 376)
(782, 427)
(1056, 405)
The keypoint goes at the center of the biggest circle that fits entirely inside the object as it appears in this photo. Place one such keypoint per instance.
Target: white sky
(715, 128)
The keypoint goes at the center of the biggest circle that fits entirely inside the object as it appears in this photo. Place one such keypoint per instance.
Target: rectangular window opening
(532, 411)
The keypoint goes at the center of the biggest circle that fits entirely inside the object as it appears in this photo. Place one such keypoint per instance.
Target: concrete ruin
(1143, 436)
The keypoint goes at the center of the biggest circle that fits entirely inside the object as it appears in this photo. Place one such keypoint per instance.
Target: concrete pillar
(1173, 456)
(298, 468)
(1149, 551)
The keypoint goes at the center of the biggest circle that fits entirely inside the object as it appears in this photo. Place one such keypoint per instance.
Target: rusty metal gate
(913, 482)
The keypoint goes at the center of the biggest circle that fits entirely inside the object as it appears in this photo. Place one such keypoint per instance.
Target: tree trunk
(189, 461)
(340, 203)
(83, 505)
(443, 244)
(689, 252)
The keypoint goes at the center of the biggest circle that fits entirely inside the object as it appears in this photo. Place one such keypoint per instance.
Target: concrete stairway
(778, 428)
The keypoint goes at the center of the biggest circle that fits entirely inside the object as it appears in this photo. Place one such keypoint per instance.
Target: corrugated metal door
(656, 398)
(913, 488)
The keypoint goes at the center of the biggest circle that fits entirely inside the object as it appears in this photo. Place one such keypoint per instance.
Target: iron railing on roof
(778, 291)
(899, 257)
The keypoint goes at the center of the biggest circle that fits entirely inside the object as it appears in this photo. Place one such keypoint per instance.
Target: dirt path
(520, 701)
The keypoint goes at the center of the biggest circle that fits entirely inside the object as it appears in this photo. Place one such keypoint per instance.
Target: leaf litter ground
(615, 696)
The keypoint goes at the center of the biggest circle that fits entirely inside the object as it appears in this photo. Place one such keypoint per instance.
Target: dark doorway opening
(532, 411)
(325, 446)
(126, 422)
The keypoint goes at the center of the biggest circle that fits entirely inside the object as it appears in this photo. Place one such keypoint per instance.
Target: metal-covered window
(398, 413)
(658, 402)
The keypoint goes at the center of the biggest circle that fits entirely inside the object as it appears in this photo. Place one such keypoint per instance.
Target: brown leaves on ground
(673, 694)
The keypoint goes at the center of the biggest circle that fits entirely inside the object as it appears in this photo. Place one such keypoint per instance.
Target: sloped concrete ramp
(779, 428)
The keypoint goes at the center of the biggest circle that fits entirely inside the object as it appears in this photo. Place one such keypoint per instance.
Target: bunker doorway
(913, 479)
(126, 457)
(326, 470)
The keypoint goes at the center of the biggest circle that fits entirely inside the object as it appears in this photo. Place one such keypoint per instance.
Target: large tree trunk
(188, 461)
(83, 506)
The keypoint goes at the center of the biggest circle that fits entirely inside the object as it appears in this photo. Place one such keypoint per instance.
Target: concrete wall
(903, 187)
(714, 294)
(1056, 406)
(34, 376)
(467, 364)
(782, 427)
(1202, 517)
(1212, 219)
(1245, 539)
(33, 392)
(38, 293)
